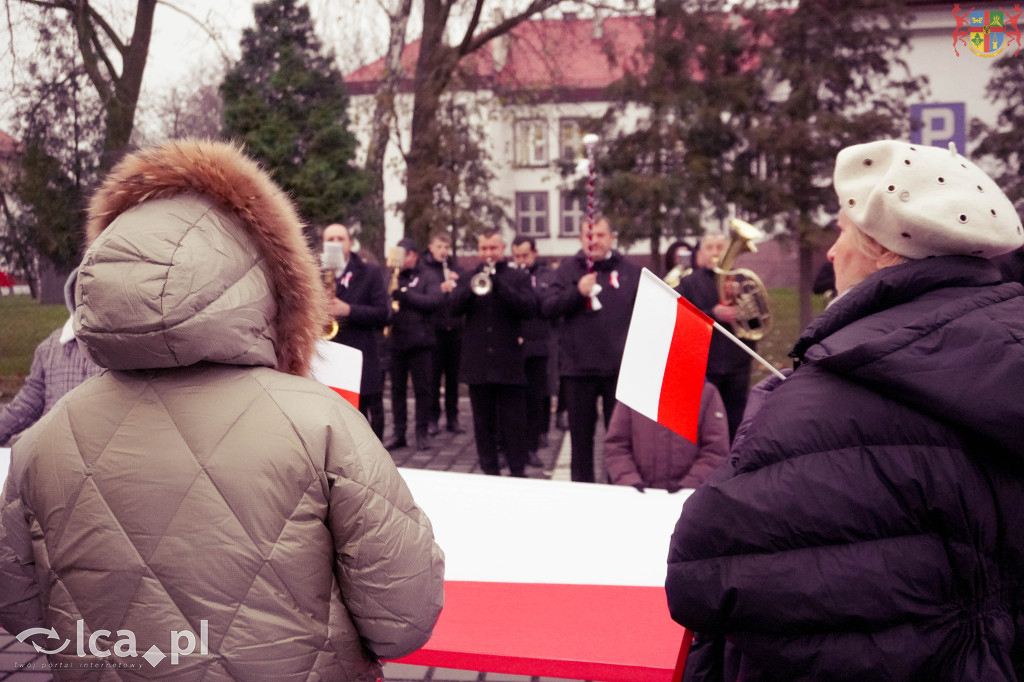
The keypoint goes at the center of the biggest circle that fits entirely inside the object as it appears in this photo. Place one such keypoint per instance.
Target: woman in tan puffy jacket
(202, 491)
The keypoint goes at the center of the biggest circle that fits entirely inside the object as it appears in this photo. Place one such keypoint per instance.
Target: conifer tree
(286, 101)
(1003, 141)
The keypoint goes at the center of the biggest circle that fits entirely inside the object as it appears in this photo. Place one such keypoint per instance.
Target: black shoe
(454, 427)
(433, 429)
(422, 443)
(534, 461)
(396, 444)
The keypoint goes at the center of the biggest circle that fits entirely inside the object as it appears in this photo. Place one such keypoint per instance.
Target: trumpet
(331, 260)
(481, 283)
(396, 257)
(753, 312)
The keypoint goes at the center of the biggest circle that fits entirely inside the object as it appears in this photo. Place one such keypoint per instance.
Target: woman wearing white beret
(868, 527)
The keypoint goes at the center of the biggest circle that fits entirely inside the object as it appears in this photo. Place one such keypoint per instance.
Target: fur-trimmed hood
(196, 255)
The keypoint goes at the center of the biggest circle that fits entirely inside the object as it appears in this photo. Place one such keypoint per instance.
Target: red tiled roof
(8, 145)
(567, 56)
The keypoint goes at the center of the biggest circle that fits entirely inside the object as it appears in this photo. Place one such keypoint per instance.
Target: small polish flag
(340, 367)
(665, 358)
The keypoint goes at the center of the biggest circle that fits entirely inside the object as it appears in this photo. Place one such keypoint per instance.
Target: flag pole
(750, 352)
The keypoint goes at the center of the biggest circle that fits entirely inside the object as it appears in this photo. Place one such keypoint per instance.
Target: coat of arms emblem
(986, 33)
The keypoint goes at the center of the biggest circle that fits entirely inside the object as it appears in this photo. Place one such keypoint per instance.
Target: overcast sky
(179, 47)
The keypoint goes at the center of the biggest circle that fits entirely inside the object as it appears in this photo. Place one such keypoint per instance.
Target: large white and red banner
(665, 358)
(551, 578)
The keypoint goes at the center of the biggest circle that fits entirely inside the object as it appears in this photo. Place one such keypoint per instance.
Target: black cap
(409, 244)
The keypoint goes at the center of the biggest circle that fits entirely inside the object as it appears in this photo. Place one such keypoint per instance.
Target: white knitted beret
(921, 201)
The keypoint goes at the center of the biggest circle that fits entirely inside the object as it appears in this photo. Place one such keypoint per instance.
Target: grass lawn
(23, 324)
(785, 329)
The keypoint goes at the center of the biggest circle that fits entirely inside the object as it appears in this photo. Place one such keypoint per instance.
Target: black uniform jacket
(700, 288)
(419, 296)
(869, 526)
(591, 341)
(537, 330)
(492, 344)
(361, 285)
(444, 319)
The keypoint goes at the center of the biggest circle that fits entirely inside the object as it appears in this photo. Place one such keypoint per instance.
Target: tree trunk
(119, 93)
(383, 117)
(806, 260)
(434, 69)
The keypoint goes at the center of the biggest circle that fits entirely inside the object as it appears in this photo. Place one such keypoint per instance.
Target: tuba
(744, 287)
(481, 283)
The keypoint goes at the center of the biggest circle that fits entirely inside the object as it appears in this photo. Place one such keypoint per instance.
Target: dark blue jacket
(868, 526)
(590, 342)
(362, 286)
(419, 296)
(700, 288)
(492, 343)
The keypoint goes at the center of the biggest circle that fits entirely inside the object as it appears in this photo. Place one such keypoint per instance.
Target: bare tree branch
(474, 21)
(507, 25)
(202, 25)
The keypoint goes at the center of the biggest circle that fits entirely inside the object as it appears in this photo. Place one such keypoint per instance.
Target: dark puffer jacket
(868, 526)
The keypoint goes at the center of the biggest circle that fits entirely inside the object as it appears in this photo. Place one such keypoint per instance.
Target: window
(532, 213)
(531, 142)
(570, 139)
(572, 215)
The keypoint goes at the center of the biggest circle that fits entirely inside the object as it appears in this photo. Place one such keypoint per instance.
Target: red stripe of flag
(351, 396)
(615, 633)
(679, 403)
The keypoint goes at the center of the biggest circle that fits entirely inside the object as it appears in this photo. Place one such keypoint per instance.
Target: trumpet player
(448, 327)
(360, 305)
(495, 300)
(418, 295)
(728, 365)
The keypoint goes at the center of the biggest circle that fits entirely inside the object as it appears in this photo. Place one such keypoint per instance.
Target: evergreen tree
(286, 101)
(833, 77)
(694, 86)
(1003, 141)
(747, 105)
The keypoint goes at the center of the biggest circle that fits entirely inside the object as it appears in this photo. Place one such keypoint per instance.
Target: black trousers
(446, 364)
(581, 394)
(503, 404)
(538, 401)
(372, 407)
(415, 362)
(734, 388)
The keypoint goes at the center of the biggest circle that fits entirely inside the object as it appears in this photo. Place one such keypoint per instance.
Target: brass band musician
(360, 305)
(728, 365)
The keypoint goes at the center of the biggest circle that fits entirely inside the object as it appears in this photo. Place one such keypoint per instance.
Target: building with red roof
(530, 89)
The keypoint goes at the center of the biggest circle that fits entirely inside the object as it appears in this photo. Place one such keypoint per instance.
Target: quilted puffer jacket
(202, 484)
(869, 526)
